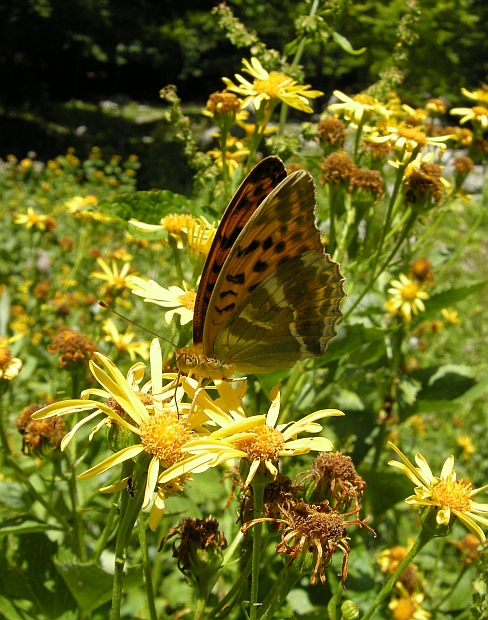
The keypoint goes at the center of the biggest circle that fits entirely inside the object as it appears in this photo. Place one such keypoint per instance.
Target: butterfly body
(269, 295)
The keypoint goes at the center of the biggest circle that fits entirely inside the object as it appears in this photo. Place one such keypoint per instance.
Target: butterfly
(269, 295)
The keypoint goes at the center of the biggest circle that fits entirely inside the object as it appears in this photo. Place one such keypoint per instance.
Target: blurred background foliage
(72, 70)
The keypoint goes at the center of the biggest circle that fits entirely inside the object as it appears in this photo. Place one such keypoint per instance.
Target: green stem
(225, 170)
(295, 62)
(176, 258)
(285, 582)
(258, 484)
(78, 528)
(23, 478)
(293, 385)
(461, 246)
(80, 255)
(384, 265)
(423, 538)
(146, 567)
(128, 515)
(105, 535)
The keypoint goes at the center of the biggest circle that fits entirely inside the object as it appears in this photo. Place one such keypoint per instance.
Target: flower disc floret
(265, 445)
(163, 435)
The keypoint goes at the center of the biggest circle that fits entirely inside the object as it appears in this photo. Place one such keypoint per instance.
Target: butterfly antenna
(107, 307)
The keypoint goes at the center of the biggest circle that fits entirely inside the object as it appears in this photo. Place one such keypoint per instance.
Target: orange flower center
(187, 300)
(454, 495)
(265, 445)
(480, 110)
(413, 135)
(273, 86)
(163, 435)
(410, 291)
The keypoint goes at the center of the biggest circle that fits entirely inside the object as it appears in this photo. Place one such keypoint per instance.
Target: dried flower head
(315, 529)
(222, 104)
(367, 181)
(337, 169)
(421, 269)
(424, 183)
(39, 434)
(336, 479)
(331, 132)
(463, 164)
(75, 348)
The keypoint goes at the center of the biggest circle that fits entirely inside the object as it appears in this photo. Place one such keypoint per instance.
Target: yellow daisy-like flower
(82, 207)
(477, 114)
(406, 605)
(181, 301)
(465, 443)
(233, 156)
(448, 496)
(113, 277)
(269, 88)
(123, 342)
(200, 236)
(407, 297)
(358, 108)
(162, 424)
(451, 316)
(32, 219)
(9, 366)
(258, 439)
(407, 139)
(176, 224)
(480, 94)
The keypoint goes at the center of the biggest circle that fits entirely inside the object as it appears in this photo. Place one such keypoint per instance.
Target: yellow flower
(406, 605)
(358, 108)
(76, 203)
(9, 366)
(258, 438)
(200, 236)
(162, 424)
(407, 139)
(479, 95)
(476, 114)
(464, 442)
(451, 316)
(123, 342)
(269, 88)
(32, 219)
(407, 297)
(181, 301)
(113, 278)
(176, 224)
(233, 157)
(448, 496)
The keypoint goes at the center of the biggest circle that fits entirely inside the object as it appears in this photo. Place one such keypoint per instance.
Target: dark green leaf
(386, 487)
(147, 207)
(351, 338)
(435, 303)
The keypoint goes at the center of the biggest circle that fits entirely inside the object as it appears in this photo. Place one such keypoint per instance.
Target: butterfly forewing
(260, 182)
(283, 227)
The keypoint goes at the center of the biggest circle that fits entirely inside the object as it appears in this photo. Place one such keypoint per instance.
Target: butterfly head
(191, 361)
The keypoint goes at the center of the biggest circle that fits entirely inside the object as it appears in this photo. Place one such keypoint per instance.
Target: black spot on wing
(228, 308)
(238, 278)
(254, 245)
(267, 243)
(225, 294)
(279, 247)
(260, 266)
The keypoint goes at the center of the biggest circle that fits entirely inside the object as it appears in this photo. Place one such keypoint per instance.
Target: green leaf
(440, 388)
(23, 526)
(89, 584)
(435, 303)
(386, 487)
(350, 339)
(345, 45)
(147, 207)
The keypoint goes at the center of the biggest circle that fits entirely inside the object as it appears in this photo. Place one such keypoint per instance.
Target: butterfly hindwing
(290, 316)
(260, 182)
